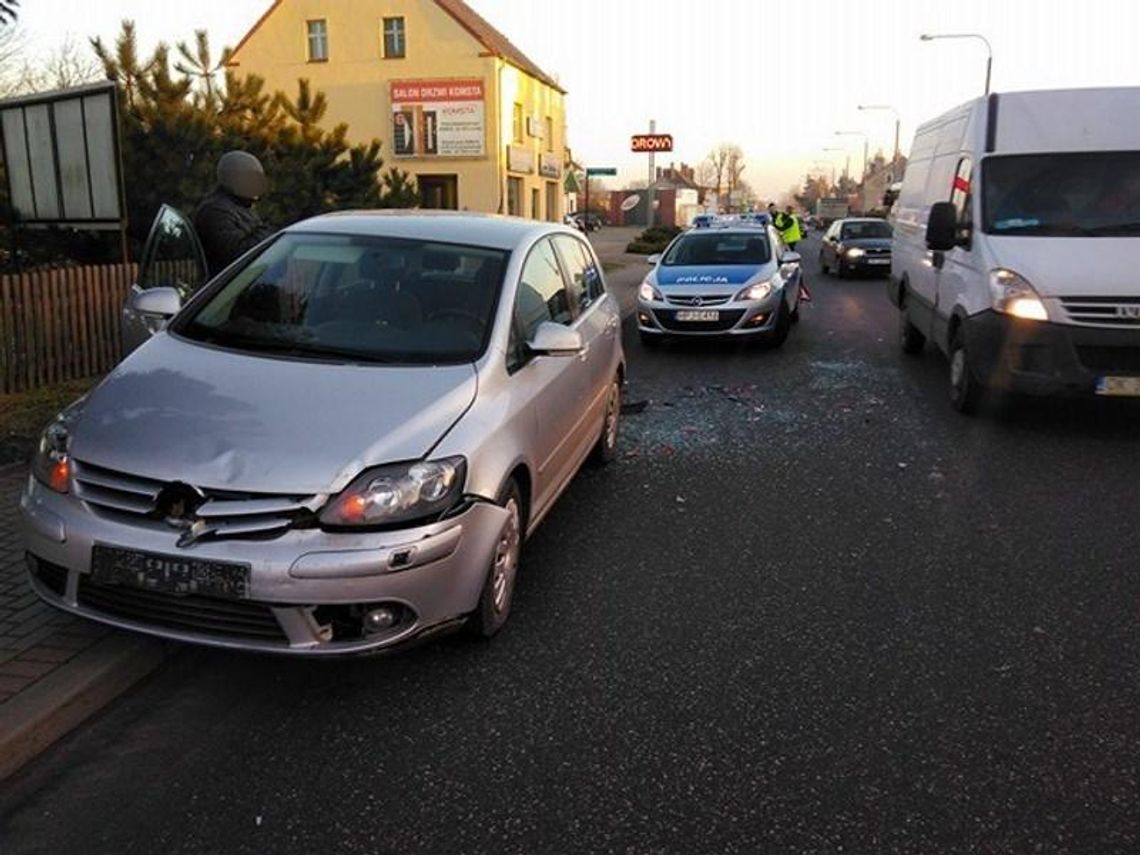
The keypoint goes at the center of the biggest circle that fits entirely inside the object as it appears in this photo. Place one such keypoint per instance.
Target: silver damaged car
(339, 444)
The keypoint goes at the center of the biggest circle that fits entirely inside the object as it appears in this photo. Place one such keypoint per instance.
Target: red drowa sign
(651, 142)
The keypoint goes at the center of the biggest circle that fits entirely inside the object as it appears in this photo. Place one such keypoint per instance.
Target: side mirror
(942, 227)
(161, 302)
(653, 259)
(551, 339)
(791, 258)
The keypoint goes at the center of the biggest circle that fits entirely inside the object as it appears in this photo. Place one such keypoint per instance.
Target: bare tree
(706, 173)
(718, 162)
(66, 66)
(12, 44)
(733, 166)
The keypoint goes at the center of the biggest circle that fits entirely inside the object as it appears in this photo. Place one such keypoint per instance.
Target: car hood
(176, 411)
(1072, 266)
(701, 279)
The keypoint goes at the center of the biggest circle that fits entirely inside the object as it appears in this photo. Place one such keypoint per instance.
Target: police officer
(225, 221)
(789, 228)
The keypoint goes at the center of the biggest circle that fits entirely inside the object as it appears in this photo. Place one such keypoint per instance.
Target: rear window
(710, 249)
(857, 231)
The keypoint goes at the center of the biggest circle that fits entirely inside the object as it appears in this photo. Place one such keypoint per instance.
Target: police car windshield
(718, 248)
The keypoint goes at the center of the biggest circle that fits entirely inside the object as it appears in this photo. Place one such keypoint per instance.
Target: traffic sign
(651, 142)
(601, 170)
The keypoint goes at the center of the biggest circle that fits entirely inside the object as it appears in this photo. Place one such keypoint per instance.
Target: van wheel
(965, 390)
(606, 449)
(499, 587)
(911, 339)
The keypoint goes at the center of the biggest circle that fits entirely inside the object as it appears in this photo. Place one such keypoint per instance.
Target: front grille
(702, 300)
(51, 576)
(1103, 311)
(728, 319)
(877, 251)
(134, 499)
(205, 615)
(1110, 360)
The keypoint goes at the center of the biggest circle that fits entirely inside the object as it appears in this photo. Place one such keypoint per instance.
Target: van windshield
(1084, 194)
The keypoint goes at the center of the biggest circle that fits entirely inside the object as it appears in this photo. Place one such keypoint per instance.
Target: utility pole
(649, 215)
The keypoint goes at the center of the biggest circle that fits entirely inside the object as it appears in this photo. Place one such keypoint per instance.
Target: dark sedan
(856, 245)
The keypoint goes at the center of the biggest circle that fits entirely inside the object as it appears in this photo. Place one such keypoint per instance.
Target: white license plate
(878, 261)
(698, 315)
(1124, 387)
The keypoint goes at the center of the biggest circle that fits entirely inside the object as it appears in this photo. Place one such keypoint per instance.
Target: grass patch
(24, 415)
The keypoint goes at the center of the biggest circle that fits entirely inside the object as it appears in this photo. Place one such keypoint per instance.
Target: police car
(727, 280)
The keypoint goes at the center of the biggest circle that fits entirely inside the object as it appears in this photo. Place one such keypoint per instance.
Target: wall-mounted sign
(534, 127)
(549, 166)
(438, 118)
(651, 142)
(520, 159)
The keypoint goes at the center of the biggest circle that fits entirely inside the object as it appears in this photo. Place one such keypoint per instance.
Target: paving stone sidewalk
(55, 669)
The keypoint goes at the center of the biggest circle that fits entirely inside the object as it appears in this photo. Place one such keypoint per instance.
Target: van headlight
(648, 294)
(397, 493)
(1012, 295)
(758, 290)
(51, 464)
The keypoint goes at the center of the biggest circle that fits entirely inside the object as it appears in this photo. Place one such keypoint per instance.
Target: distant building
(479, 125)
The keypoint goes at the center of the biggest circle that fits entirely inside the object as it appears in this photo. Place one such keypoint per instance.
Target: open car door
(171, 258)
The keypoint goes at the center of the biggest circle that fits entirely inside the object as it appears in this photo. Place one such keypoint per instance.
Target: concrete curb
(53, 706)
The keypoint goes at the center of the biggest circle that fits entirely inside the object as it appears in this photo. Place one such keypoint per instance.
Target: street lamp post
(864, 136)
(847, 162)
(898, 122)
(929, 37)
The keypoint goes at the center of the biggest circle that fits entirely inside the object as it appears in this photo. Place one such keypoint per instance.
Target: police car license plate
(1122, 387)
(698, 315)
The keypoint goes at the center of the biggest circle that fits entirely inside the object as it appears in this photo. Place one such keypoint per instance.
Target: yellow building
(478, 124)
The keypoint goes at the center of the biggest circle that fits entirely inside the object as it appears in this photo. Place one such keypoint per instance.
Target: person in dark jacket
(225, 220)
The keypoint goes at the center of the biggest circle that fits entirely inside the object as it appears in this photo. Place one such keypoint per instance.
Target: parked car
(575, 222)
(340, 443)
(1017, 231)
(589, 222)
(730, 280)
(856, 245)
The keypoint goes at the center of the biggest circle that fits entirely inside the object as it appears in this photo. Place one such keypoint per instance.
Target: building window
(548, 132)
(535, 210)
(517, 123)
(395, 44)
(552, 201)
(318, 41)
(514, 197)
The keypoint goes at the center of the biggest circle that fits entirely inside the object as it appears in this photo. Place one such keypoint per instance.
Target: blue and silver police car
(730, 280)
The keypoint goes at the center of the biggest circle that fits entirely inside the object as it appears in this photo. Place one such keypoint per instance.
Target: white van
(1017, 244)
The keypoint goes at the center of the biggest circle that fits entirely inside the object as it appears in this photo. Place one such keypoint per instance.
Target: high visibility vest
(789, 226)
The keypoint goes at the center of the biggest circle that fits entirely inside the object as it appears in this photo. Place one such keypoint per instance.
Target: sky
(776, 78)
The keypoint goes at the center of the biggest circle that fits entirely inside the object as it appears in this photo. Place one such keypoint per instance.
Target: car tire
(495, 599)
(965, 390)
(779, 333)
(910, 337)
(606, 448)
(840, 269)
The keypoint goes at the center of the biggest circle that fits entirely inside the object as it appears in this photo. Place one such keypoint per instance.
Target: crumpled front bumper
(431, 574)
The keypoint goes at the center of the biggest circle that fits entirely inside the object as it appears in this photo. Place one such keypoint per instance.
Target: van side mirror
(942, 227)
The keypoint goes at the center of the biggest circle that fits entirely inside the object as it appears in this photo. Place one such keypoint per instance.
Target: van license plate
(698, 315)
(1120, 387)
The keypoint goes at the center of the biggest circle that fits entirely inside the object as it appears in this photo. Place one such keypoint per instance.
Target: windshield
(1084, 194)
(859, 231)
(717, 249)
(355, 298)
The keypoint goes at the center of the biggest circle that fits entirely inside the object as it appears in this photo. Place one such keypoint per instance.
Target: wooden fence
(60, 324)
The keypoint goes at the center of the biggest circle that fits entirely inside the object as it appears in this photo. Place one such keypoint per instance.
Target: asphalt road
(810, 609)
